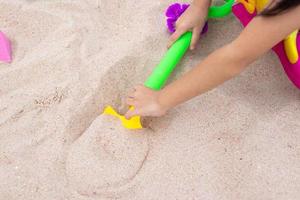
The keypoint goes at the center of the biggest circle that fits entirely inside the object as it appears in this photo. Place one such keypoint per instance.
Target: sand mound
(105, 157)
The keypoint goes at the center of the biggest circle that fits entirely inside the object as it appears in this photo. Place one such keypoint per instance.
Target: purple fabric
(173, 12)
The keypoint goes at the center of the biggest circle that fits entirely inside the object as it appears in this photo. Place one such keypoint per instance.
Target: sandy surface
(71, 58)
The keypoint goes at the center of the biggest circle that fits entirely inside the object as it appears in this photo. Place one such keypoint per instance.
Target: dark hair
(279, 7)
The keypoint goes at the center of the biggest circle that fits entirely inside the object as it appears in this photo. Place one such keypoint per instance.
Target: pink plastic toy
(5, 49)
(292, 70)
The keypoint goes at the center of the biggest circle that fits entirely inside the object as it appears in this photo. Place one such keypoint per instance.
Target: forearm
(256, 39)
(218, 67)
(202, 3)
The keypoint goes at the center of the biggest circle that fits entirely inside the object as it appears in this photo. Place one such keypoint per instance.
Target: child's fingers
(175, 36)
(130, 101)
(135, 91)
(131, 113)
(195, 37)
(132, 95)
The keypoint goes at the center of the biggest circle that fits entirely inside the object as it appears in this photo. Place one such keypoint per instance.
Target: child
(275, 21)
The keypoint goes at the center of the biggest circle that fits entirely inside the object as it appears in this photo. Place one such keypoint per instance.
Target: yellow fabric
(252, 5)
(249, 5)
(133, 123)
(261, 4)
(290, 47)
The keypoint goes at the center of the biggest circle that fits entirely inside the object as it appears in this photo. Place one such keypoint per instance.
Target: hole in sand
(113, 88)
(105, 157)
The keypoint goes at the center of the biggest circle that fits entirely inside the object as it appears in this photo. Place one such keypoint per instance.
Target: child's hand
(192, 19)
(145, 102)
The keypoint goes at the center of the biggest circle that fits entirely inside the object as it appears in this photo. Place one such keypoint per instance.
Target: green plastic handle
(161, 73)
(221, 11)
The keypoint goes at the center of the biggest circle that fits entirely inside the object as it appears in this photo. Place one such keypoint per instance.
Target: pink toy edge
(5, 48)
(292, 70)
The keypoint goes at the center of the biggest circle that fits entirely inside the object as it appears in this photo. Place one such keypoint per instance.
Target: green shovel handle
(173, 56)
(220, 11)
(167, 64)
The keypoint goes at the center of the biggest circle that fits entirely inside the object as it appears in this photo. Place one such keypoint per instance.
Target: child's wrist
(163, 101)
(202, 3)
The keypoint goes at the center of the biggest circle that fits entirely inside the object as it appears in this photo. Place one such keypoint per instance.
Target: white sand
(71, 58)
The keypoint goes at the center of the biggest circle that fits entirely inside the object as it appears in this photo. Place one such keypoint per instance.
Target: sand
(71, 58)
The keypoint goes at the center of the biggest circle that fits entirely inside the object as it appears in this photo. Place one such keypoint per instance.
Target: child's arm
(225, 63)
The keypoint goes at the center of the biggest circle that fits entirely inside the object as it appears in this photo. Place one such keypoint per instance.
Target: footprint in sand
(106, 157)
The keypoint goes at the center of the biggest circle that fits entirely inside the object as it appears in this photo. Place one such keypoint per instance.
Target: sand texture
(71, 58)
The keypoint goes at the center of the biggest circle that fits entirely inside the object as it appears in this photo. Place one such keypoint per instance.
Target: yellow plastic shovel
(158, 77)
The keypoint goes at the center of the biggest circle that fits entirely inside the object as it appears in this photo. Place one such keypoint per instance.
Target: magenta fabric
(5, 48)
(292, 70)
